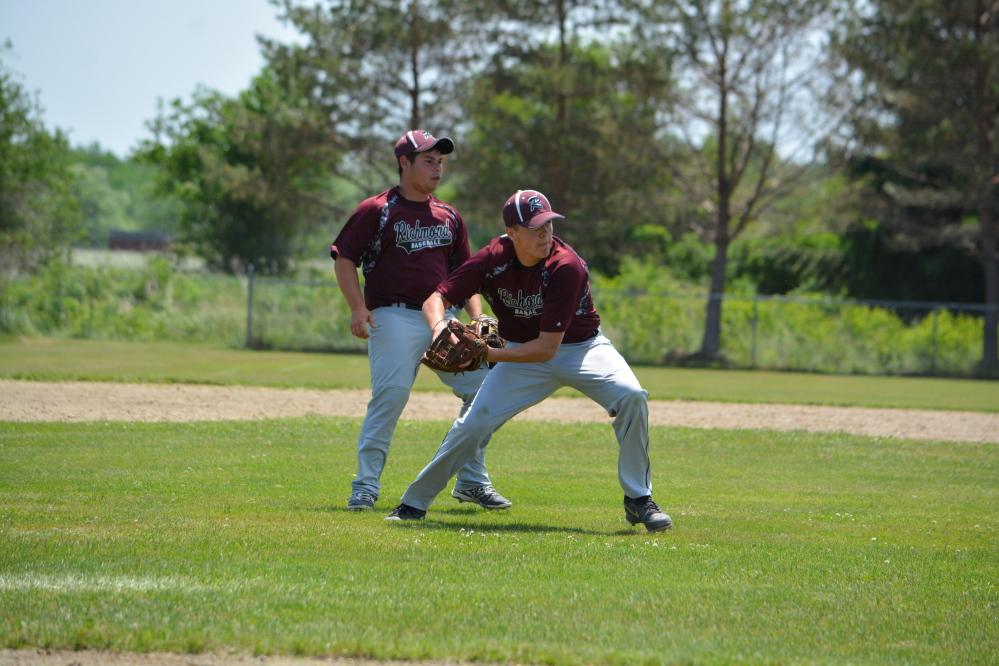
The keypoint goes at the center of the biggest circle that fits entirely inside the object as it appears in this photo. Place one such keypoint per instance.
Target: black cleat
(644, 510)
(406, 512)
(484, 496)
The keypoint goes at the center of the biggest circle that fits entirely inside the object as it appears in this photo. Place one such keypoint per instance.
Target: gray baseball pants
(394, 349)
(594, 368)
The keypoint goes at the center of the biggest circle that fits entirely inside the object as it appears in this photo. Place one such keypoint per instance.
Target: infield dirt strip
(105, 401)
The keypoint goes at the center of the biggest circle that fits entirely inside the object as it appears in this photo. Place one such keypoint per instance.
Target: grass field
(55, 359)
(789, 548)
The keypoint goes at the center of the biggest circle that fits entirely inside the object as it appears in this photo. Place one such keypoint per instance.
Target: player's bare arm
(540, 349)
(433, 312)
(350, 287)
(474, 306)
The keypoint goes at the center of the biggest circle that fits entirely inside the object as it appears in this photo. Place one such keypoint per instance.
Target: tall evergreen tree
(929, 82)
(578, 122)
(378, 68)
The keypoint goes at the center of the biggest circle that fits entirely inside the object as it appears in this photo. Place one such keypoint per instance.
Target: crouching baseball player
(538, 288)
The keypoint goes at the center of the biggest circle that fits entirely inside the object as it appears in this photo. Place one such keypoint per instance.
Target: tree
(747, 112)
(577, 121)
(252, 172)
(375, 69)
(38, 216)
(929, 84)
(116, 193)
(103, 208)
(549, 34)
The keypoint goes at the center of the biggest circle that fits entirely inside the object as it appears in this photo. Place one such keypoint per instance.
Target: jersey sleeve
(466, 280)
(357, 234)
(460, 250)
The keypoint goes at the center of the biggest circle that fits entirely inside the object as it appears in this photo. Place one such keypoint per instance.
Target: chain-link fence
(767, 332)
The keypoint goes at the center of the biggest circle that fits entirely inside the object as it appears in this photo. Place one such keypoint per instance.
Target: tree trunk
(989, 233)
(986, 200)
(711, 343)
(415, 121)
(558, 182)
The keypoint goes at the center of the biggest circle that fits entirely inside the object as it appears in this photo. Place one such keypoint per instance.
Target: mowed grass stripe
(788, 547)
(54, 359)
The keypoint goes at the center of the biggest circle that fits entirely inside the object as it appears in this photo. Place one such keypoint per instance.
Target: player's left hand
(456, 349)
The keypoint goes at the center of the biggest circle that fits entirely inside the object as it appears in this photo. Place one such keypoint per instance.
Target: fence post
(249, 306)
(756, 317)
(933, 365)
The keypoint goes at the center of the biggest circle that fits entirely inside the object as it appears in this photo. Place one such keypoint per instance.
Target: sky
(99, 66)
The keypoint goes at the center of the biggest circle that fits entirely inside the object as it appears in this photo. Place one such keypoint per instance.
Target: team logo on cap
(534, 203)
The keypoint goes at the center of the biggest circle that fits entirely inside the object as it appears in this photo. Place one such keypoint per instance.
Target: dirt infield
(104, 401)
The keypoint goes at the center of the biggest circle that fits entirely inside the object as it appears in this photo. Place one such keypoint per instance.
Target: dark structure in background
(140, 241)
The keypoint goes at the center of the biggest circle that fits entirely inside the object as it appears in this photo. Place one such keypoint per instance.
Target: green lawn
(52, 359)
(789, 548)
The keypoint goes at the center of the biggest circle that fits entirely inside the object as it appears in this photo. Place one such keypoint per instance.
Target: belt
(408, 306)
(589, 337)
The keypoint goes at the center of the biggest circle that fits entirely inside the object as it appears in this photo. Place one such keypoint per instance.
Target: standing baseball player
(406, 241)
(539, 290)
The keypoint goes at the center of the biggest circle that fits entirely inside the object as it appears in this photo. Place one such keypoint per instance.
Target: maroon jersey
(553, 296)
(404, 248)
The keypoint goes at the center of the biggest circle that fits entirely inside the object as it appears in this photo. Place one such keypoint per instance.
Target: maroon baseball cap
(528, 208)
(420, 141)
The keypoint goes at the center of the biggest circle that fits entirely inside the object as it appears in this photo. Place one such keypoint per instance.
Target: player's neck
(411, 193)
(527, 261)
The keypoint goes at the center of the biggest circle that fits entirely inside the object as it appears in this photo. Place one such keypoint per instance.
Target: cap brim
(443, 144)
(541, 218)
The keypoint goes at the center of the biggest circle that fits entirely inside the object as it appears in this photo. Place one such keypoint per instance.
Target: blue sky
(99, 66)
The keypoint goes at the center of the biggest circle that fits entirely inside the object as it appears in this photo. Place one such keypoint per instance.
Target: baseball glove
(445, 355)
(487, 328)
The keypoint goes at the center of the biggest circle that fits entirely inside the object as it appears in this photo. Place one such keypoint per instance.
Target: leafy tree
(120, 193)
(548, 35)
(252, 172)
(929, 81)
(103, 207)
(39, 218)
(375, 69)
(745, 109)
(567, 104)
(578, 122)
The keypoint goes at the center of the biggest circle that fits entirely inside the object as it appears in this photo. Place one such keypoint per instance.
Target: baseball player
(538, 288)
(406, 241)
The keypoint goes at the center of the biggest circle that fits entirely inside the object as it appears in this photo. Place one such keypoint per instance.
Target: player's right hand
(359, 321)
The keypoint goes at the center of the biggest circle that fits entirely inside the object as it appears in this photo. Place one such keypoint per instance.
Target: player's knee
(389, 399)
(630, 399)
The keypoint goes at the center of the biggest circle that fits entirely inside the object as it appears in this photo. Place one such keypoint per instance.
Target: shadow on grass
(482, 526)
(479, 525)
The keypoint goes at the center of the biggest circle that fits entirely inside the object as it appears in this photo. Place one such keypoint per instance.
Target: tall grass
(788, 547)
(106, 303)
(158, 303)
